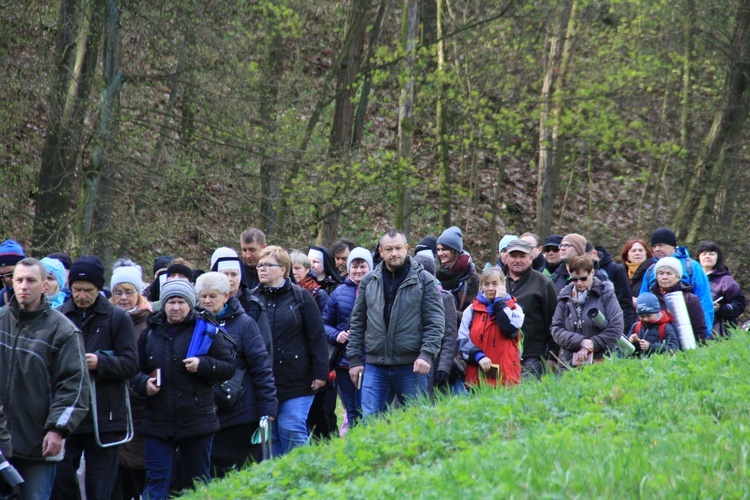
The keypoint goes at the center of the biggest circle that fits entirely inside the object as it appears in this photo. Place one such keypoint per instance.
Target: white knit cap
(359, 253)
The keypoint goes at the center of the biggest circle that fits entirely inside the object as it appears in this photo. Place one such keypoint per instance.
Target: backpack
(662, 328)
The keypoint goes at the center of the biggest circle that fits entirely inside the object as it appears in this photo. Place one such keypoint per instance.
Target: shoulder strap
(637, 328)
(662, 331)
(689, 268)
(115, 323)
(298, 296)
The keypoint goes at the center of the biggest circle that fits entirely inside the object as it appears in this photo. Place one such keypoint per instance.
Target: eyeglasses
(268, 265)
(565, 245)
(124, 293)
(6, 276)
(551, 249)
(576, 279)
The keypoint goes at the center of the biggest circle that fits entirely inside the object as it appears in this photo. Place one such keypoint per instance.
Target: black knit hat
(427, 243)
(664, 235)
(87, 268)
(179, 269)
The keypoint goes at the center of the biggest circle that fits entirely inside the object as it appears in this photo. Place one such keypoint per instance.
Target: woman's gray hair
(212, 281)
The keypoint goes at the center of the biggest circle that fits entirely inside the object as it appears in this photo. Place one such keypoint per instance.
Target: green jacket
(417, 320)
(43, 377)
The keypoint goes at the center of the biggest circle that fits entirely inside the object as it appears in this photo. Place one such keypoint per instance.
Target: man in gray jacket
(396, 328)
(43, 380)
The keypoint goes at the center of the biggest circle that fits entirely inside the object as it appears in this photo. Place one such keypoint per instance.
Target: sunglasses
(575, 279)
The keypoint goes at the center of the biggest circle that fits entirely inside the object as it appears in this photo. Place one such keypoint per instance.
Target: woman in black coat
(637, 258)
(238, 419)
(180, 411)
(299, 351)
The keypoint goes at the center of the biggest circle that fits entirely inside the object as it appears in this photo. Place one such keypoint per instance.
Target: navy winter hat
(427, 244)
(62, 257)
(647, 303)
(553, 241)
(162, 262)
(664, 235)
(87, 268)
(11, 253)
(452, 238)
(179, 269)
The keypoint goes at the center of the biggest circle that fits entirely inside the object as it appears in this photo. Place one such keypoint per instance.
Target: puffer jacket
(569, 330)
(184, 407)
(300, 353)
(41, 354)
(117, 361)
(417, 319)
(336, 319)
(259, 396)
(732, 304)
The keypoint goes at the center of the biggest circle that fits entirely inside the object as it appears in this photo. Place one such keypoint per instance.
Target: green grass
(664, 427)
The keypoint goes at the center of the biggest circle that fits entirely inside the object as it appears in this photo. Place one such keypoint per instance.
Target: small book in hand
(494, 372)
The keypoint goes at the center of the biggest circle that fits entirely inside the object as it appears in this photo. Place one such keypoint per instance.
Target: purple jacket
(732, 305)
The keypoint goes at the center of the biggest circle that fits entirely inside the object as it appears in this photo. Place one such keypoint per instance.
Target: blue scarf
(491, 305)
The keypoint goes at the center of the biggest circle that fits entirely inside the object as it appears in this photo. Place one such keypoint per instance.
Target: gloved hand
(441, 378)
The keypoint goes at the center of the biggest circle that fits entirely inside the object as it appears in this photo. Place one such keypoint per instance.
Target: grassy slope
(662, 427)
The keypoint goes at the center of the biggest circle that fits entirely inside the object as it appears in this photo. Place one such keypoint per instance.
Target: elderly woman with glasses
(299, 350)
(588, 319)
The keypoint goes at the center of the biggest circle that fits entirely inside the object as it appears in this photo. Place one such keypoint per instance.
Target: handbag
(227, 393)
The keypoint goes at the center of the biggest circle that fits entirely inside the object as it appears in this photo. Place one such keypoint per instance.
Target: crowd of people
(142, 386)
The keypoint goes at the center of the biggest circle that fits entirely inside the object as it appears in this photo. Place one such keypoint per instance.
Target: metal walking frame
(130, 428)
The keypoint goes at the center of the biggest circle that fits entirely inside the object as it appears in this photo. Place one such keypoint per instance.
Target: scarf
(490, 305)
(309, 284)
(579, 298)
(632, 268)
(452, 278)
(56, 300)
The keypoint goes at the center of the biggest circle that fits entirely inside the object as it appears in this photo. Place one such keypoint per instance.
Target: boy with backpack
(653, 332)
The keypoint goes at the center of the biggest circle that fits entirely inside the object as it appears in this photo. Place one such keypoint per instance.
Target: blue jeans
(290, 428)
(350, 396)
(38, 476)
(381, 383)
(160, 456)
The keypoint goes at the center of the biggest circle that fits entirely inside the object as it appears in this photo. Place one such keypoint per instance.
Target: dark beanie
(179, 269)
(664, 235)
(11, 253)
(162, 262)
(87, 268)
(427, 243)
(452, 238)
(62, 257)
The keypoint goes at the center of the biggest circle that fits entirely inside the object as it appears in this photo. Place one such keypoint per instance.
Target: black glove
(441, 378)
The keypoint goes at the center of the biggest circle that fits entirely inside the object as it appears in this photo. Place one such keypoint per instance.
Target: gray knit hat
(427, 262)
(452, 238)
(359, 253)
(178, 288)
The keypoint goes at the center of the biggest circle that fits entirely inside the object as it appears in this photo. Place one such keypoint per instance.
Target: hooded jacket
(416, 325)
(569, 329)
(336, 319)
(694, 276)
(43, 381)
(117, 360)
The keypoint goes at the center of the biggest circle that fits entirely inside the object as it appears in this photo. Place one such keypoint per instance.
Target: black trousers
(101, 467)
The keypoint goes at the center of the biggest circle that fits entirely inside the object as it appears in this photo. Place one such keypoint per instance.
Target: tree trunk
(269, 93)
(106, 143)
(340, 143)
(687, 65)
(441, 119)
(724, 130)
(377, 31)
(76, 55)
(550, 110)
(409, 27)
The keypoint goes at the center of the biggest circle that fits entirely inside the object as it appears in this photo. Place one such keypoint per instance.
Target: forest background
(141, 128)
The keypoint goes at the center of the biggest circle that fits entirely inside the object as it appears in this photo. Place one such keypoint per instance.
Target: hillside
(665, 427)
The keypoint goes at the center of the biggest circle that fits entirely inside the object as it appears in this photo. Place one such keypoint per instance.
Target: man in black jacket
(538, 298)
(111, 358)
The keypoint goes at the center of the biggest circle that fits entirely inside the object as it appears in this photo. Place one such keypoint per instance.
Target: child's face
(492, 287)
(648, 318)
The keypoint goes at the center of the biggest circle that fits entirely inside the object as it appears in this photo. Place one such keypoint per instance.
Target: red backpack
(662, 326)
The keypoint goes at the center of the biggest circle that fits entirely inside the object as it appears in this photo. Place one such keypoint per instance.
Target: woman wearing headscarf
(178, 386)
(324, 265)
